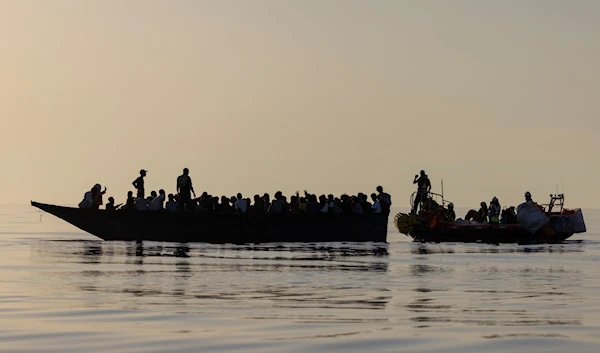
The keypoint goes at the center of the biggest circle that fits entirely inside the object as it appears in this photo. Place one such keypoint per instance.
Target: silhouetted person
(138, 183)
(158, 201)
(377, 205)
(450, 214)
(483, 212)
(184, 190)
(130, 203)
(97, 194)
(241, 204)
(172, 204)
(110, 206)
(259, 205)
(384, 199)
(423, 188)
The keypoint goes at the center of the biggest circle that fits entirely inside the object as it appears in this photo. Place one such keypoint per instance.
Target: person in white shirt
(158, 202)
(241, 205)
(376, 203)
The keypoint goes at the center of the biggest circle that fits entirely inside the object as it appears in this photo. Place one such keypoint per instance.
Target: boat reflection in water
(504, 290)
(494, 286)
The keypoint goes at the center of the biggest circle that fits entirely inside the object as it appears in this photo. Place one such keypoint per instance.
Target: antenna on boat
(443, 201)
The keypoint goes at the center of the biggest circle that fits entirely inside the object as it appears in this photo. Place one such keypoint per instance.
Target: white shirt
(377, 207)
(157, 203)
(141, 204)
(242, 205)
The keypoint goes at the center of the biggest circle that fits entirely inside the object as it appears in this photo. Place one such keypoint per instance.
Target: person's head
(153, 194)
(161, 191)
(129, 194)
(257, 198)
(186, 171)
(422, 173)
(330, 197)
(450, 206)
(239, 196)
(527, 196)
(98, 186)
(374, 197)
(380, 189)
(171, 197)
(483, 204)
(233, 199)
(322, 198)
(495, 199)
(224, 200)
(143, 172)
(111, 199)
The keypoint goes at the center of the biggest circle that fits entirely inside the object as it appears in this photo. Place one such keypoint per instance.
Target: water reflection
(573, 246)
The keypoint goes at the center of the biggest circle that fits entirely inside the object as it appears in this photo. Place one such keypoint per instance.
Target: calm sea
(62, 290)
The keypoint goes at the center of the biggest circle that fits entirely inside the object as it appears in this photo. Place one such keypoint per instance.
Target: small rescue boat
(548, 223)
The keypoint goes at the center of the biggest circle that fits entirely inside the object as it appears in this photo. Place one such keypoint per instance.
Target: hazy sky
(495, 97)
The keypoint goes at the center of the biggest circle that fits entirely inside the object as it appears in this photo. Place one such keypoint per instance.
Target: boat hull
(214, 227)
(485, 234)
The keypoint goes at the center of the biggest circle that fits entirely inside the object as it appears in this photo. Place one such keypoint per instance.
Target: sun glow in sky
(495, 97)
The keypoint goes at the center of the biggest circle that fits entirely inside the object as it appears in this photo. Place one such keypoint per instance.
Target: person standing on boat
(384, 199)
(494, 211)
(184, 190)
(423, 188)
(138, 183)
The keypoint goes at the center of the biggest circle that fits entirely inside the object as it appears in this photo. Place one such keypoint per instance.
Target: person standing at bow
(184, 190)
(423, 188)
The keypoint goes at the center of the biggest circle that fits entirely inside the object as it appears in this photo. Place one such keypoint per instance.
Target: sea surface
(63, 290)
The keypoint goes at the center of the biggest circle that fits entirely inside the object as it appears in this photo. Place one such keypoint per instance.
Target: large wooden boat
(215, 227)
(429, 226)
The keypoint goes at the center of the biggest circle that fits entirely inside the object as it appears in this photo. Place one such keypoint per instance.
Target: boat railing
(429, 201)
(556, 200)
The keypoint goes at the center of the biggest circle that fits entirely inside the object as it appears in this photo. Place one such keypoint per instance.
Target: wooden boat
(215, 227)
(428, 226)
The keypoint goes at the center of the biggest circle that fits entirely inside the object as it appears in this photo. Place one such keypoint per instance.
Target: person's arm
(135, 183)
(192, 188)
(416, 180)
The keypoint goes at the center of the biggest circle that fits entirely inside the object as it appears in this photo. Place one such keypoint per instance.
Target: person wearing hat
(138, 183)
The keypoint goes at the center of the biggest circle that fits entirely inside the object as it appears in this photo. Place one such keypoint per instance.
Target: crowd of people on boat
(491, 213)
(185, 200)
